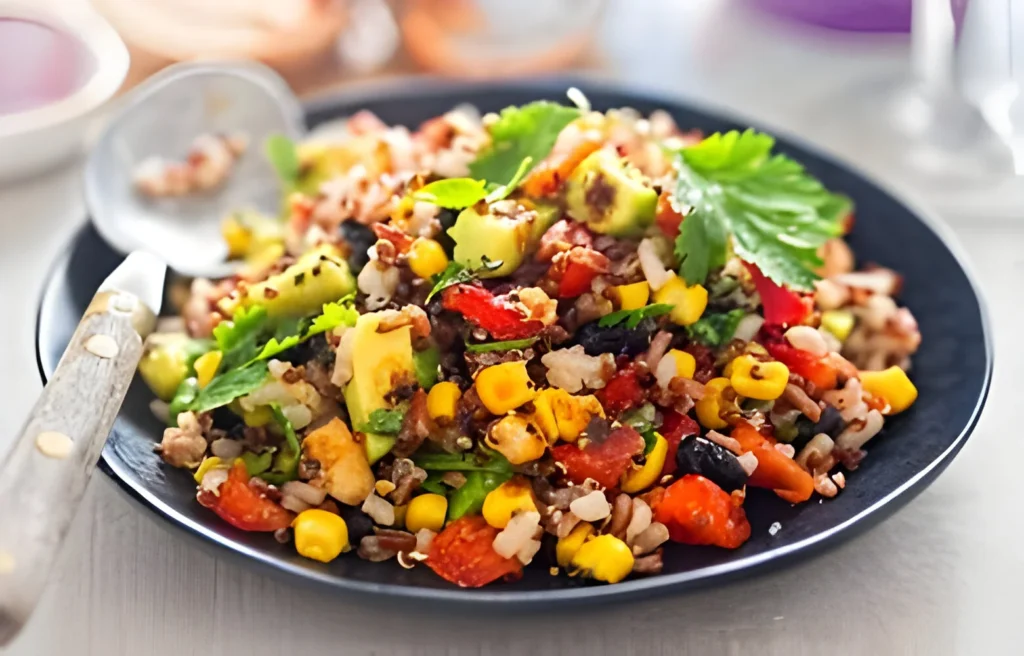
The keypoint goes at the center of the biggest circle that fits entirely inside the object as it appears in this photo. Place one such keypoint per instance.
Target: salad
(548, 337)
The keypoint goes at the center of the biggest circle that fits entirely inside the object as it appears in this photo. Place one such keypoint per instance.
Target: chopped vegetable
(605, 462)
(384, 421)
(494, 314)
(462, 554)
(696, 511)
(715, 329)
(242, 507)
(632, 318)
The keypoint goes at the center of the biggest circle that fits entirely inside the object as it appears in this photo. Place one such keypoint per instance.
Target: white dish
(36, 139)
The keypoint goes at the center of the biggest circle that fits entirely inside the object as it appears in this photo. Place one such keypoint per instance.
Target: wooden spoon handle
(43, 478)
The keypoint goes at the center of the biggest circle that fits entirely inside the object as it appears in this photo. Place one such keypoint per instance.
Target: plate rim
(748, 566)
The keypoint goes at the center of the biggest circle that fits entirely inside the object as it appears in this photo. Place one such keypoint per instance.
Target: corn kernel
(508, 499)
(517, 438)
(689, 302)
(686, 364)
(838, 322)
(632, 297)
(559, 414)
(504, 387)
(709, 407)
(892, 385)
(261, 415)
(206, 367)
(427, 258)
(426, 511)
(320, 535)
(237, 237)
(208, 463)
(605, 558)
(567, 547)
(544, 413)
(642, 478)
(442, 399)
(765, 381)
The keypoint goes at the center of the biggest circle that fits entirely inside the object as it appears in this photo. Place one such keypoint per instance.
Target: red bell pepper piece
(781, 306)
(243, 507)
(669, 221)
(463, 554)
(696, 511)
(492, 313)
(605, 461)
(775, 471)
(674, 427)
(805, 364)
(581, 266)
(622, 392)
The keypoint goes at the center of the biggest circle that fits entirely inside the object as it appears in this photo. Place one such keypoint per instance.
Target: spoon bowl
(161, 118)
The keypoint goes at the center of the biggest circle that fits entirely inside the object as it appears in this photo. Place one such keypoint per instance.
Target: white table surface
(940, 577)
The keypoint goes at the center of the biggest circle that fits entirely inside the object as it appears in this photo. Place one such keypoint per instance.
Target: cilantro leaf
(453, 193)
(502, 192)
(229, 386)
(456, 273)
(715, 329)
(508, 345)
(634, 317)
(776, 214)
(467, 462)
(291, 334)
(239, 338)
(333, 315)
(384, 422)
(519, 133)
(284, 157)
(286, 463)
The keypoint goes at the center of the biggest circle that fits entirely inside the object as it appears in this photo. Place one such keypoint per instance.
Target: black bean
(359, 523)
(617, 339)
(699, 456)
(447, 219)
(359, 239)
(831, 422)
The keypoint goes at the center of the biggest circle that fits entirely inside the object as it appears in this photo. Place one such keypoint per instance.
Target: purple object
(852, 15)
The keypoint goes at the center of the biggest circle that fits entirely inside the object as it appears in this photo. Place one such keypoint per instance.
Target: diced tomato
(581, 266)
(242, 507)
(492, 313)
(674, 427)
(775, 471)
(781, 306)
(696, 511)
(666, 216)
(603, 461)
(561, 237)
(622, 392)
(805, 364)
(548, 178)
(462, 554)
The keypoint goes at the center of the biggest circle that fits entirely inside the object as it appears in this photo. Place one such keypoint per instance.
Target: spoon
(161, 118)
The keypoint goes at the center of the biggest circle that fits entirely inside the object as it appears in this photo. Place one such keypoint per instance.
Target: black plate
(952, 372)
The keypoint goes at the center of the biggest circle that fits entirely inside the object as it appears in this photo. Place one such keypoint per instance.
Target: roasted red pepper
(495, 314)
(463, 554)
(579, 268)
(622, 392)
(674, 427)
(805, 364)
(668, 219)
(696, 511)
(243, 507)
(603, 461)
(775, 471)
(781, 306)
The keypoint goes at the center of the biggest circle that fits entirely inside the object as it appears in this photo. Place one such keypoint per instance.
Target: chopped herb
(502, 192)
(183, 399)
(453, 193)
(456, 273)
(469, 499)
(229, 386)
(286, 463)
(292, 334)
(519, 133)
(384, 422)
(775, 212)
(508, 345)
(650, 440)
(715, 329)
(284, 157)
(640, 419)
(634, 317)
(239, 338)
(426, 363)
(465, 462)
(434, 485)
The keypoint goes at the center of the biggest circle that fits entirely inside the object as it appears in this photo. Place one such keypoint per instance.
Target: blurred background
(922, 93)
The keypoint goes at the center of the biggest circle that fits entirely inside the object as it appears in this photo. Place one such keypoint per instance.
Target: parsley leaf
(286, 463)
(383, 422)
(453, 193)
(456, 273)
(634, 317)
(508, 345)
(333, 315)
(715, 329)
(502, 192)
(775, 212)
(519, 133)
(284, 157)
(239, 338)
(229, 386)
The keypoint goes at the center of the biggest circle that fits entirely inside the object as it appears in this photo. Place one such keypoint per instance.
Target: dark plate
(952, 372)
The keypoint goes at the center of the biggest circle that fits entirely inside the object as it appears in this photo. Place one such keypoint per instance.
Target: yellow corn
(544, 413)
(400, 513)
(765, 381)
(261, 415)
(686, 364)
(605, 558)
(567, 547)
(708, 408)
(237, 237)
(208, 463)
(320, 535)
(892, 385)
(206, 367)
(689, 302)
(517, 438)
(640, 479)
(508, 499)
(504, 387)
(427, 258)
(559, 414)
(632, 297)
(426, 511)
(441, 400)
(838, 322)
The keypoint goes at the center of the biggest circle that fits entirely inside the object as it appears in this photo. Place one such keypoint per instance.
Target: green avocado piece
(319, 276)
(547, 216)
(495, 237)
(610, 196)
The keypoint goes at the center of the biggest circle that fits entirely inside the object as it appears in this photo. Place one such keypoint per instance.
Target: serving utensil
(44, 477)
(161, 118)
